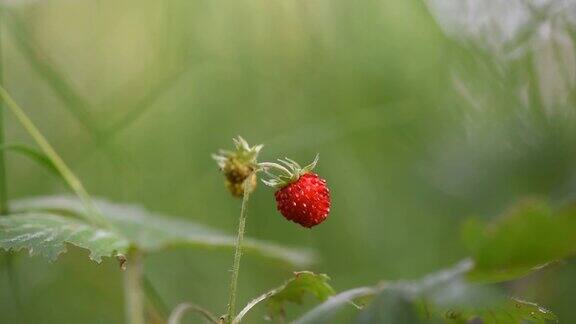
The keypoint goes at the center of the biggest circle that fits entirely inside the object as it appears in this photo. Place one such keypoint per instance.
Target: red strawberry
(302, 196)
(306, 201)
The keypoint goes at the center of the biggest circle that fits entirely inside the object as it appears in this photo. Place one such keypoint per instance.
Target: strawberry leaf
(292, 291)
(528, 237)
(153, 232)
(47, 234)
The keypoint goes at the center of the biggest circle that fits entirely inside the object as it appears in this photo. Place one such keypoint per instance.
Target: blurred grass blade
(46, 234)
(141, 106)
(76, 104)
(33, 155)
(152, 232)
(292, 291)
(92, 214)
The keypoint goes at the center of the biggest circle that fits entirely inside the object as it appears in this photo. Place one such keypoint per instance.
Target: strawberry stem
(267, 165)
(292, 171)
(238, 253)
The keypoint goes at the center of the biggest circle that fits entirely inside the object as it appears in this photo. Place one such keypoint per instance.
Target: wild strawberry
(302, 196)
(239, 166)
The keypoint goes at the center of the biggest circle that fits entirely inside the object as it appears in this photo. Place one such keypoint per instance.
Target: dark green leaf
(528, 237)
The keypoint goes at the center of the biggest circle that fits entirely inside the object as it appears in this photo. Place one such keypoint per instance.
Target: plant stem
(134, 300)
(253, 303)
(238, 252)
(181, 310)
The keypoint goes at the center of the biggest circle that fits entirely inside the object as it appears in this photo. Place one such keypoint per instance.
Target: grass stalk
(3, 186)
(4, 207)
(238, 253)
(75, 184)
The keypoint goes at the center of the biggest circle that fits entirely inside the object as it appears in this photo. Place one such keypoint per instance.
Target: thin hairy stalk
(180, 310)
(238, 253)
(93, 214)
(134, 299)
(253, 303)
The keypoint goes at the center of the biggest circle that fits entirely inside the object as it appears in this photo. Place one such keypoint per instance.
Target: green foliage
(46, 234)
(390, 306)
(152, 232)
(292, 291)
(459, 301)
(526, 238)
(439, 297)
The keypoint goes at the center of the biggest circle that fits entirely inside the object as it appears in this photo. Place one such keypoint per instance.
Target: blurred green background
(423, 113)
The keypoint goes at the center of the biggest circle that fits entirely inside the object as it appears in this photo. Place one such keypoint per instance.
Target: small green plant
(299, 199)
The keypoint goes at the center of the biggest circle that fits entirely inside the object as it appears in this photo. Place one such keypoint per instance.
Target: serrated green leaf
(46, 234)
(527, 238)
(292, 291)
(153, 232)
